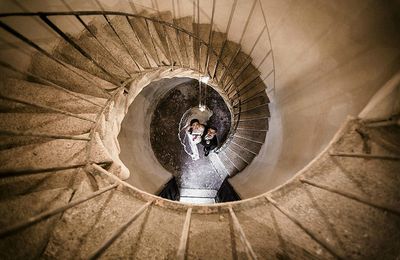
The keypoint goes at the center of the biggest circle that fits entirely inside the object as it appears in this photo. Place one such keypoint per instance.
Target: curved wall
(330, 58)
(146, 172)
(135, 113)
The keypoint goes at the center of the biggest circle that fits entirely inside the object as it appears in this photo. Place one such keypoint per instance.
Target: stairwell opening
(99, 47)
(170, 142)
(152, 150)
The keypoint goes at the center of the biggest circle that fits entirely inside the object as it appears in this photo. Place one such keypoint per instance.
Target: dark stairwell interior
(197, 181)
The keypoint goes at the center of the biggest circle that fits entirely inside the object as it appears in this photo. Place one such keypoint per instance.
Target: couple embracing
(203, 134)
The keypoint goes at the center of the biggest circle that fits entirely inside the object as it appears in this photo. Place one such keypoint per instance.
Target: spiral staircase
(63, 194)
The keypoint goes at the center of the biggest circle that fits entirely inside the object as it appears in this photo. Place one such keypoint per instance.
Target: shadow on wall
(146, 173)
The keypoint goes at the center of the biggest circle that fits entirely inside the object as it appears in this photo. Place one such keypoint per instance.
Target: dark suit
(209, 144)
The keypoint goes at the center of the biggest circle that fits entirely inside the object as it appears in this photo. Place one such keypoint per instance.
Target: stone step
(159, 40)
(252, 136)
(8, 106)
(18, 129)
(364, 185)
(91, 221)
(49, 96)
(15, 54)
(239, 64)
(264, 224)
(228, 53)
(51, 154)
(200, 193)
(104, 46)
(133, 53)
(173, 38)
(203, 32)
(33, 65)
(246, 77)
(51, 123)
(229, 166)
(355, 217)
(70, 77)
(254, 124)
(247, 145)
(261, 111)
(154, 227)
(385, 136)
(24, 185)
(243, 153)
(197, 200)
(236, 159)
(256, 100)
(34, 238)
(70, 55)
(9, 141)
(248, 91)
(204, 229)
(142, 32)
(218, 165)
(186, 40)
(218, 40)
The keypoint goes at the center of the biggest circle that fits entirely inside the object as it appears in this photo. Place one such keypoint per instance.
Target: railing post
(114, 60)
(47, 214)
(33, 134)
(184, 237)
(366, 156)
(78, 48)
(210, 37)
(27, 171)
(122, 42)
(47, 108)
(249, 250)
(310, 233)
(349, 195)
(118, 232)
(42, 51)
(49, 83)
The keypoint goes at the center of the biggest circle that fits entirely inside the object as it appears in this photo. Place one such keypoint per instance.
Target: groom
(209, 139)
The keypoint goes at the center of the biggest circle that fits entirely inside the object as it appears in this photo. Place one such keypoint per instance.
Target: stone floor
(167, 147)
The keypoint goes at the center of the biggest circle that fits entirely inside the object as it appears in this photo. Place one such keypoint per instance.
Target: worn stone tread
(34, 238)
(248, 145)
(49, 96)
(239, 162)
(186, 40)
(255, 124)
(255, 136)
(232, 170)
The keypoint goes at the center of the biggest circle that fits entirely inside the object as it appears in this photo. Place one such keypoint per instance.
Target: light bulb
(205, 79)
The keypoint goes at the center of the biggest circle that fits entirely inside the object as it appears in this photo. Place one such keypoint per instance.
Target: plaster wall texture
(136, 153)
(330, 59)
(386, 102)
